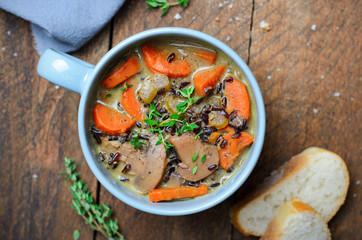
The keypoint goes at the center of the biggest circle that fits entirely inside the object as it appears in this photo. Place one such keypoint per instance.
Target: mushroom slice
(187, 146)
(154, 167)
(134, 157)
(148, 166)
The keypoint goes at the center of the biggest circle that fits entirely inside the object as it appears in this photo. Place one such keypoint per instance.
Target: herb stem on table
(94, 215)
(165, 5)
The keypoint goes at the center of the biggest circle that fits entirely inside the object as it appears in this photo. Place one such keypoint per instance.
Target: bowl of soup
(171, 121)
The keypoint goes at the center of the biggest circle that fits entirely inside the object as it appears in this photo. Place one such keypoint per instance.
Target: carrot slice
(237, 98)
(206, 79)
(157, 62)
(167, 194)
(233, 147)
(111, 121)
(131, 104)
(127, 70)
(206, 55)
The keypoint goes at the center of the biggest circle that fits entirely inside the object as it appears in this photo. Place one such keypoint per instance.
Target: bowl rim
(170, 208)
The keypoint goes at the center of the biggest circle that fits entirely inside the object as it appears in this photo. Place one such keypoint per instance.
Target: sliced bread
(298, 221)
(316, 176)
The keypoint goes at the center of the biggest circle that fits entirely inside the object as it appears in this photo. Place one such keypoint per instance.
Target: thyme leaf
(194, 170)
(203, 159)
(194, 157)
(125, 87)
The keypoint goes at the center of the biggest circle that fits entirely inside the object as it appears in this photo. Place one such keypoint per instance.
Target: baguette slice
(316, 176)
(298, 221)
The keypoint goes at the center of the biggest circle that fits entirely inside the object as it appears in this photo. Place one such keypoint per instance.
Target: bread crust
(294, 206)
(282, 174)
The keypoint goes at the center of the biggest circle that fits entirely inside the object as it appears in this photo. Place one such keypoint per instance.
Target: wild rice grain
(218, 88)
(224, 113)
(224, 102)
(229, 79)
(114, 158)
(115, 165)
(232, 115)
(199, 101)
(162, 110)
(168, 174)
(215, 185)
(144, 137)
(223, 143)
(127, 168)
(208, 131)
(189, 111)
(236, 135)
(97, 138)
(212, 167)
(101, 156)
(184, 84)
(123, 179)
(218, 140)
(216, 108)
(192, 184)
(171, 57)
(161, 91)
(205, 117)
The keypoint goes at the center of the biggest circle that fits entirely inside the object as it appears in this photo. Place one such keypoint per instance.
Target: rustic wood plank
(38, 129)
(311, 84)
(133, 18)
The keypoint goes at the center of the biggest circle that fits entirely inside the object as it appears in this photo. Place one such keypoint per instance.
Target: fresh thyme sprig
(125, 87)
(154, 118)
(165, 142)
(198, 135)
(153, 112)
(186, 93)
(165, 5)
(94, 215)
(136, 142)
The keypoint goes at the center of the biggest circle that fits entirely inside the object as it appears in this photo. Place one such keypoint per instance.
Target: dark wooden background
(310, 80)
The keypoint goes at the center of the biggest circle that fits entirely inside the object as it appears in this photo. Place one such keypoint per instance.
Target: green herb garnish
(194, 169)
(76, 234)
(96, 216)
(153, 118)
(186, 93)
(165, 142)
(135, 141)
(153, 112)
(198, 135)
(194, 157)
(165, 5)
(125, 87)
(203, 159)
(107, 95)
(188, 127)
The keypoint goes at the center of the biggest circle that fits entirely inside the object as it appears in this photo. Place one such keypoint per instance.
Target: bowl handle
(64, 70)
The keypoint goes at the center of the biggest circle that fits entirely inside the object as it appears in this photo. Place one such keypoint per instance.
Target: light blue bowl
(83, 78)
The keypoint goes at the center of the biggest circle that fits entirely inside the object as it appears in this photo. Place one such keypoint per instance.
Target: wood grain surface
(308, 67)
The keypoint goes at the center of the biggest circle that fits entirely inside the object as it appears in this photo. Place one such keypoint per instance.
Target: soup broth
(173, 114)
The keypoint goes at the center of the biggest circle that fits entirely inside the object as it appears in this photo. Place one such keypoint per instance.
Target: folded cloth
(63, 25)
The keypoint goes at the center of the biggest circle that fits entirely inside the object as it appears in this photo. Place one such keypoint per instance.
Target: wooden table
(309, 70)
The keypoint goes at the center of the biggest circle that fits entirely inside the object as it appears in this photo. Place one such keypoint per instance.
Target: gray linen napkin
(63, 25)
